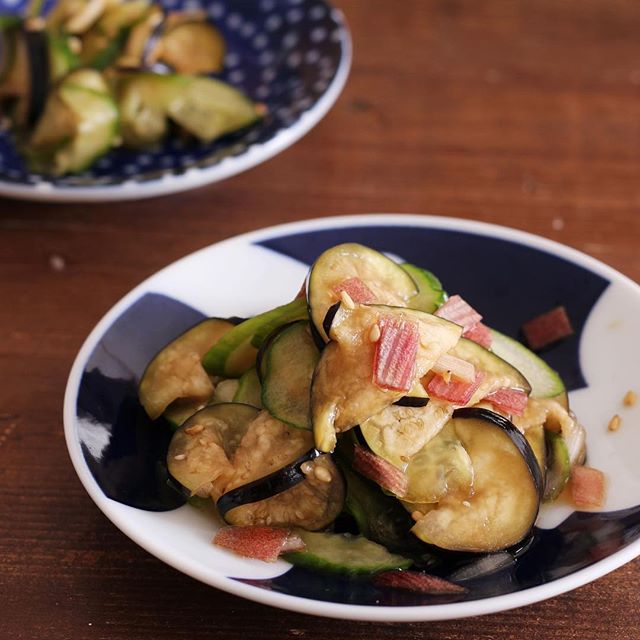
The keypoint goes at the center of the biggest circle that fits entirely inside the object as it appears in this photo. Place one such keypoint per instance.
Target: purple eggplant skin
(38, 60)
(516, 436)
(268, 486)
(328, 318)
(412, 401)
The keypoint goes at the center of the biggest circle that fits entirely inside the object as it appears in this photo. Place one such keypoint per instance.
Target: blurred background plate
(292, 55)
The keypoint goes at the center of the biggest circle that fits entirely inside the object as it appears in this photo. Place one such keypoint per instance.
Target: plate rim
(382, 613)
(194, 177)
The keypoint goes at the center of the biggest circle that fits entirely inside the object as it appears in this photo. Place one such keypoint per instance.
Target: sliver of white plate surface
(292, 55)
(508, 275)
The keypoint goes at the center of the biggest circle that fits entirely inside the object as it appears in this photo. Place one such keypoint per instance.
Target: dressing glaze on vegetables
(375, 410)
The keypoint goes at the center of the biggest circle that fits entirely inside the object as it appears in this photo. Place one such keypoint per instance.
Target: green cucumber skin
(490, 361)
(249, 335)
(558, 469)
(379, 517)
(430, 294)
(289, 404)
(544, 381)
(341, 558)
(296, 310)
(249, 389)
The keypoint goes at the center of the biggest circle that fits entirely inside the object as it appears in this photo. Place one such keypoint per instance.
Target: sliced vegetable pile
(367, 424)
(94, 74)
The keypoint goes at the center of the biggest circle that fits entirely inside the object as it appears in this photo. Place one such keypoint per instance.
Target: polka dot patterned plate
(292, 55)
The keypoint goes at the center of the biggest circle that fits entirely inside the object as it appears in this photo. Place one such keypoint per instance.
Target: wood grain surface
(523, 113)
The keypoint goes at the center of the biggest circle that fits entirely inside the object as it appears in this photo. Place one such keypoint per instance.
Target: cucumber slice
(249, 389)
(379, 517)
(544, 381)
(96, 133)
(79, 124)
(345, 554)
(204, 107)
(289, 363)
(199, 451)
(430, 292)
(143, 100)
(388, 281)
(399, 432)
(498, 372)
(176, 372)
(291, 312)
(441, 467)
(211, 109)
(61, 58)
(507, 489)
(558, 465)
(236, 352)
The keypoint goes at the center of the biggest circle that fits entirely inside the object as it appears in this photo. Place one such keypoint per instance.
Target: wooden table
(520, 113)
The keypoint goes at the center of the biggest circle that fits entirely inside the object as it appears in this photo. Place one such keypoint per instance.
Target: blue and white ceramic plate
(292, 55)
(509, 275)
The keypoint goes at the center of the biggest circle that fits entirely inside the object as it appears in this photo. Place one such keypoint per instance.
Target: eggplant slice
(343, 393)
(176, 373)
(507, 489)
(258, 464)
(388, 282)
(200, 451)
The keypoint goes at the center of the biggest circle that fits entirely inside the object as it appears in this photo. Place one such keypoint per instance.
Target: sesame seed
(195, 430)
(180, 456)
(374, 334)
(346, 300)
(466, 503)
(630, 398)
(416, 515)
(306, 467)
(614, 423)
(324, 475)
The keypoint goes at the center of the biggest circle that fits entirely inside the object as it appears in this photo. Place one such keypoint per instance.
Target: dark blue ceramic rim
(132, 469)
